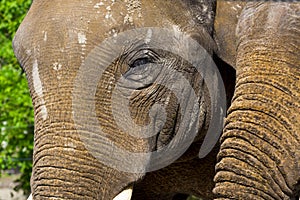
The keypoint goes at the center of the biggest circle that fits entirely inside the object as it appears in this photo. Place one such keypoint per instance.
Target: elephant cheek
(259, 156)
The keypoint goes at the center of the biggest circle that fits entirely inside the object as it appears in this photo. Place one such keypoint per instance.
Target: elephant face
(92, 102)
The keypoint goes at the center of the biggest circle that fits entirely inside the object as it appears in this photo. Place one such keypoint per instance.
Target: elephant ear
(227, 15)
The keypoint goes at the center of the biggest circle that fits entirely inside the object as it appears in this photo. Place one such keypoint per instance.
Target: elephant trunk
(63, 167)
(259, 155)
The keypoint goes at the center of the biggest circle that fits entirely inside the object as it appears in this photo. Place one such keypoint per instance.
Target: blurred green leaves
(12, 13)
(16, 114)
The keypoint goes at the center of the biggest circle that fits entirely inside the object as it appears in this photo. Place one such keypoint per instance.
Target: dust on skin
(45, 36)
(38, 88)
(106, 7)
(133, 7)
(82, 40)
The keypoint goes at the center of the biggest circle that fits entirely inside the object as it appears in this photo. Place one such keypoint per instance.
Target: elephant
(107, 81)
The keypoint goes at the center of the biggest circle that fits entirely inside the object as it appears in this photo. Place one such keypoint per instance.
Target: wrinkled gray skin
(258, 156)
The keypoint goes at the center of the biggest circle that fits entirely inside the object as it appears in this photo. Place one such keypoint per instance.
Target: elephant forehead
(84, 22)
(103, 15)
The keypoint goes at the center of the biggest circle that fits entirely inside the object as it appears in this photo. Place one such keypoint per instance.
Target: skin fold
(255, 46)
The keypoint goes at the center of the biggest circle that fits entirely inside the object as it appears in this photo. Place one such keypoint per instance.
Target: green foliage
(16, 115)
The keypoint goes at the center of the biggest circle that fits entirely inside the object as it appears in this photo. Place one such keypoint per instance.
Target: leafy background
(16, 113)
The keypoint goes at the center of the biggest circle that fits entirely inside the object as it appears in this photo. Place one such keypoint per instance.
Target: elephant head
(107, 90)
(108, 82)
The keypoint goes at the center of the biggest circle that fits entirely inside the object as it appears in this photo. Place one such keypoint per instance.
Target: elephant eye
(143, 57)
(144, 67)
(141, 61)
